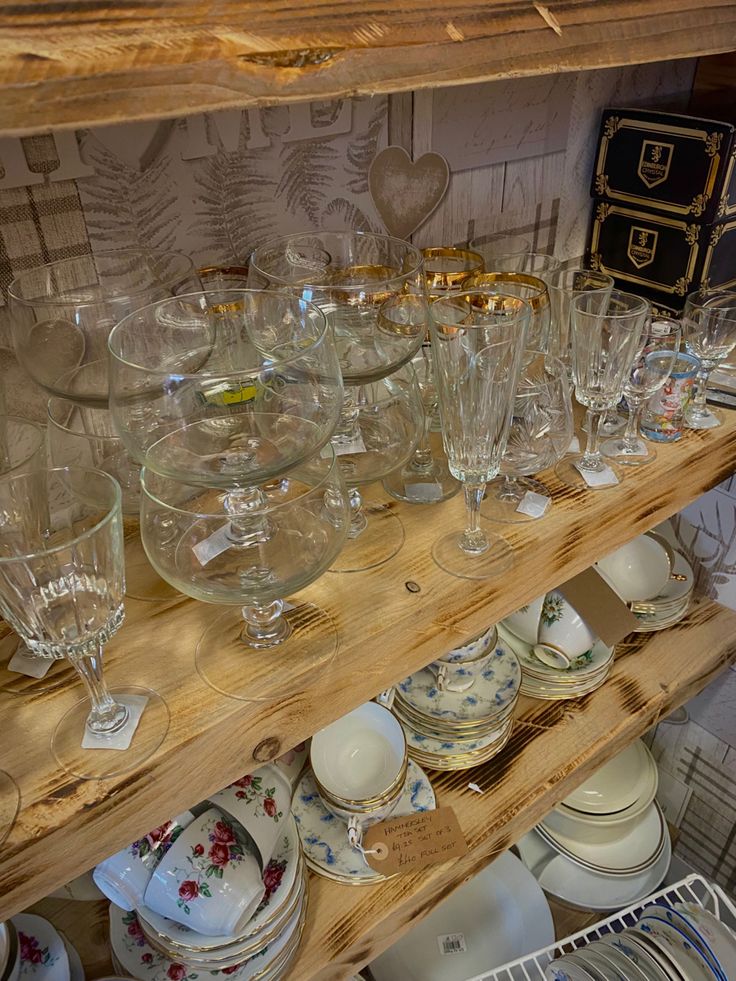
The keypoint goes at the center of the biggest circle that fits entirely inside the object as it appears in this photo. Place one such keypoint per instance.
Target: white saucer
(43, 956)
(580, 669)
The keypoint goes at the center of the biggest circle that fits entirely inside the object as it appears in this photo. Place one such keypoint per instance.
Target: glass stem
(473, 539)
(358, 520)
(698, 406)
(249, 525)
(591, 459)
(107, 716)
(265, 625)
(631, 433)
(421, 461)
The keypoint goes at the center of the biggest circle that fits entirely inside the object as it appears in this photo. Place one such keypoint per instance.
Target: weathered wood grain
(70, 63)
(65, 826)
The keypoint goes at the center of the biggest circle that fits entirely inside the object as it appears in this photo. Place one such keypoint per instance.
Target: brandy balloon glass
(61, 589)
(477, 342)
(288, 536)
(62, 313)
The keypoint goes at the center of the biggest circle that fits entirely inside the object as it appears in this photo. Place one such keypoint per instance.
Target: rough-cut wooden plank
(386, 632)
(555, 745)
(69, 63)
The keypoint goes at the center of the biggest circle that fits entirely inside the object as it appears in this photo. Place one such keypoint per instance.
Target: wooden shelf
(554, 747)
(386, 632)
(73, 64)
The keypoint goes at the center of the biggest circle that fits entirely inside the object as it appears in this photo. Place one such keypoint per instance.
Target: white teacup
(260, 802)
(208, 880)
(124, 877)
(524, 623)
(639, 570)
(563, 634)
(474, 648)
(462, 675)
(359, 762)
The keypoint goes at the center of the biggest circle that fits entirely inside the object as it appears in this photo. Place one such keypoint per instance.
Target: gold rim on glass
(538, 301)
(449, 279)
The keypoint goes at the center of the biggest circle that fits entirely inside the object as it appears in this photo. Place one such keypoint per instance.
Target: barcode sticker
(210, 548)
(345, 447)
(426, 493)
(452, 943)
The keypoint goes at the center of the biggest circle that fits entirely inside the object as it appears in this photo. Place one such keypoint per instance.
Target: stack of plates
(585, 674)
(449, 730)
(146, 945)
(667, 943)
(672, 604)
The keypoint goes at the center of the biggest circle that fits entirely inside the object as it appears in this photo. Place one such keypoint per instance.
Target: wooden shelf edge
(77, 68)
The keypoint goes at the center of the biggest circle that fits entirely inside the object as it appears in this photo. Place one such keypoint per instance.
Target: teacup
(563, 634)
(359, 765)
(639, 570)
(260, 802)
(209, 881)
(462, 675)
(124, 877)
(474, 648)
(524, 623)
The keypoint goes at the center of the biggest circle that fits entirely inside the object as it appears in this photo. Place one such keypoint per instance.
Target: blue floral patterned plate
(678, 947)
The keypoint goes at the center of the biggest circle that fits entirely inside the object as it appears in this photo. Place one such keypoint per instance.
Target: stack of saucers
(147, 945)
(585, 673)
(672, 603)
(606, 845)
(456, 730)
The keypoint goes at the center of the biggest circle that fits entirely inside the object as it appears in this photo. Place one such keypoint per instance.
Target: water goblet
(539, 264)
(526, 287)
(606, 335)
(477, 342)
(61, 589)
(499, 243)
(709, 330)
(563, 285)
(540, 434)
(652, 367)
(426, 478)
(61, 313)
(289, 536)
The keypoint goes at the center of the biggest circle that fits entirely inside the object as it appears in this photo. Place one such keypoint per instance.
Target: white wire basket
(693, 889)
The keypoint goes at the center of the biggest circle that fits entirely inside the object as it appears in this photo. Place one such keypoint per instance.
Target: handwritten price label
(415, 842)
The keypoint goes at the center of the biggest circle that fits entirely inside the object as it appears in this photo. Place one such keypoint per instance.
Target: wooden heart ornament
(405, 191)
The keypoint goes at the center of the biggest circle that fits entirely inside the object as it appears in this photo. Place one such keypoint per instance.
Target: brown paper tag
(605, 613)
(415, 841)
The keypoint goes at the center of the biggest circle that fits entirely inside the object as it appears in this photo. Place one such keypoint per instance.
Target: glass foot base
(380, 541)
(9, 804)
(422, 487)
(570, 476)
(708, 419)
(99, 764)
(60, 672)
(504, 496)
(497, 559)
(227, 664)
(619, 452)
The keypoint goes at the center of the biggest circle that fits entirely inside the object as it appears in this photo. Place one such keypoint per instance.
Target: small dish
(678, 947)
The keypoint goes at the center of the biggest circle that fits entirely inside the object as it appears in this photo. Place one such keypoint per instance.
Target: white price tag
(597, 478)
(24, 663)
(344, 448)
(535, 505)
(123, 738)
(452, 943)
(423, 492)
(213, 546)
(574, 446)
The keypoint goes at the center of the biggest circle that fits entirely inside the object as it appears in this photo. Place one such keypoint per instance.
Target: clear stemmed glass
(538, 264)
(563, 285)
(652, 367)
(709, 330)
(606, 335)
(258, 648)
(372, 291)
(540, 434)
(499, 243)
(426, 478)
(526, 287)
(477, 342)
(61, 588)
(62, 313)
(84, 436)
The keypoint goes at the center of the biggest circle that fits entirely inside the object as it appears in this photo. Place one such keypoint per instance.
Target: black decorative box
(679, 165)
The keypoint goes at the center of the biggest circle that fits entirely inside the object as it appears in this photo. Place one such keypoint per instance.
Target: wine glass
(426, 478)
(84, 436)
(652, 367)
(540, 434)
(61, 589)
(372, 290)
(606, 335)
(709, 329)
(499, 243)
(259, 647)
(563, 285)
(62, 312)
(526, 287)
(538, 264)
(477, 341)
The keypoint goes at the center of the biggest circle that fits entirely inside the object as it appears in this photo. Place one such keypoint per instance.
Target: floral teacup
(208, 880)
(259, 802)
(563, 634)
(486, 642)
(124, 877)
(461, 675)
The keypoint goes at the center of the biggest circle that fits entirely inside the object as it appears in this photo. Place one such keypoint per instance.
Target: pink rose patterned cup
(209, 880)
(260, 802)
(124, 877)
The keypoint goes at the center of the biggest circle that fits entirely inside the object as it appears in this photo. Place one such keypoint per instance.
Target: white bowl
(638, 570)
(524, 623)
(360, 755)
(616, 785)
